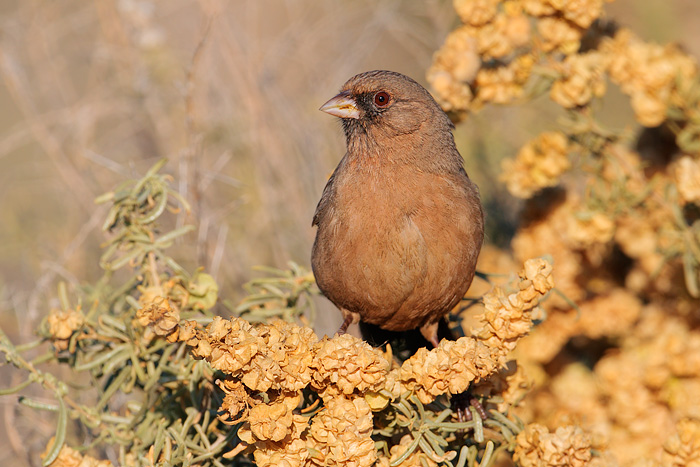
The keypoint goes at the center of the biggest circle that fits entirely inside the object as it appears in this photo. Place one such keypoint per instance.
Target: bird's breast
(393, 241)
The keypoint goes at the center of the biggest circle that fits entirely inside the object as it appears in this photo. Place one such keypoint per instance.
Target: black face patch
(369, 115)
(354, 126)
(366, 103)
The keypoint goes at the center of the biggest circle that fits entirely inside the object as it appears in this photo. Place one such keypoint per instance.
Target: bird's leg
(430, 332)
(350, 318)
(344, 327)
(434, 341)
(460, 404)
(474, 402)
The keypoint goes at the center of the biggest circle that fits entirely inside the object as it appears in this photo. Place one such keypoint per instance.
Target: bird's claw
(462, 402)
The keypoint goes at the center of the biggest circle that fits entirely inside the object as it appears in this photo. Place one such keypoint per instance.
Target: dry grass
(228, 92)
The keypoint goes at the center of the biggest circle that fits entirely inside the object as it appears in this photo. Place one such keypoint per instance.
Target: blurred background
(93, 93)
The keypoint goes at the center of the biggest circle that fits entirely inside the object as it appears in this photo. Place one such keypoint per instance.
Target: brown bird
(400, 223)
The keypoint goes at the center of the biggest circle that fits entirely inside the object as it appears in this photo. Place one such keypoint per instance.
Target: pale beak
(342, 106)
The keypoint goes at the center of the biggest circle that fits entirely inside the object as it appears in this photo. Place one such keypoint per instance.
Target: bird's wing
(325, 197)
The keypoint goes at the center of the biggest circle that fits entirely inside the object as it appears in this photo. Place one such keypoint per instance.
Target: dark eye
(381, 99)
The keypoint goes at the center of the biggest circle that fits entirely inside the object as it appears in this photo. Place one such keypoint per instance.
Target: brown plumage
(400, 223)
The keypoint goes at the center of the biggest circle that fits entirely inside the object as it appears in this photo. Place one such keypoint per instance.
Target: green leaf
(60, 438)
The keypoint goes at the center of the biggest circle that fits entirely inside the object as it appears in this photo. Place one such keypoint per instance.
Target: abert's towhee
(400, 223)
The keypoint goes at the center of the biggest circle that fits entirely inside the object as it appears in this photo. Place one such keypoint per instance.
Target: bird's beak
(342, 106)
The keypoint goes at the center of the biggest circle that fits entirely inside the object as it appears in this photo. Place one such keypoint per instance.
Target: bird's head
(384, 107)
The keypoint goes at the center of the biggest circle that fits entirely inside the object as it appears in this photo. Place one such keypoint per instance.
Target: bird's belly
(391, 267)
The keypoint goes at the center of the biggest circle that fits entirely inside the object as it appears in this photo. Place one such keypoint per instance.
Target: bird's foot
(462, 402)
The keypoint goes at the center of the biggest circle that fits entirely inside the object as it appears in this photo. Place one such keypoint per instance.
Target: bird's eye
(381, 99)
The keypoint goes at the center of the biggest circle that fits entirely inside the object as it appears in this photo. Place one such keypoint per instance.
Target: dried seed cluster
(539, 164)
(62, 324)
(268, 365)
(537, 447)
(69, 457)
(617, 211)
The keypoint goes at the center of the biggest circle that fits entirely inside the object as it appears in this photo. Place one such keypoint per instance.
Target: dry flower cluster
(63, 324)
(618, 214)
(683, 447)
(539, 164)
(268, 366)
(566, 446)
(69, 457)
(507, 49)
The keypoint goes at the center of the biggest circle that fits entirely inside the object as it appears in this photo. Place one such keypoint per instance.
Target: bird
(399, 224)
